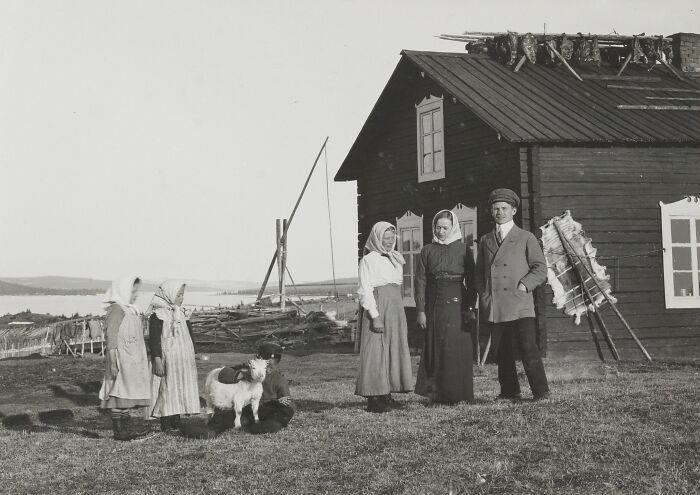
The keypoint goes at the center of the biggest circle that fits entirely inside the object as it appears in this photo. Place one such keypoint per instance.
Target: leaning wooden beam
(612, 77)
(624, 65)
(610, 301)
(520, 63)
(691, 108)
(651, 88)
(291, 217)
(671, 69)
(559, 56)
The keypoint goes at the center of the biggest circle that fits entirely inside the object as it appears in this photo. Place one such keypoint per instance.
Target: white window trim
(429, 104)
(466, 214)
(688, 208)
(409, 221)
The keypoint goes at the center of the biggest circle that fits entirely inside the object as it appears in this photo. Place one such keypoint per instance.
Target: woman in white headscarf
(385, 362)
(127, 381)
(445, 296)
(174, 386)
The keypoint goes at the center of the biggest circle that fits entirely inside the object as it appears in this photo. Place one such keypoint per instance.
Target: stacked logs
(249, 327)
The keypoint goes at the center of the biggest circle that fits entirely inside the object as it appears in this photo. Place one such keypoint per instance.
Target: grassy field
(630, 428)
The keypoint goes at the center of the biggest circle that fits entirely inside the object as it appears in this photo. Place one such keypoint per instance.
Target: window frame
(467, 215)
(684, 209)
(409, 222)
(430, 105)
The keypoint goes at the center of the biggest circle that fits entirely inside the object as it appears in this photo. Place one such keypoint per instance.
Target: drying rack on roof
(515, 49)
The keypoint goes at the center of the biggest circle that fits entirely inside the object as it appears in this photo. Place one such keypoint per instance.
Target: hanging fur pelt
(562, 275)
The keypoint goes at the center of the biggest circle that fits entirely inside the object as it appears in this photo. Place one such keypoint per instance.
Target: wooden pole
(563, 60)
(82, 346)
(570, 254)
(520, 63)
(283, 266)
(486, 351)
(291, 217)
(613, 305)
(278, 240)
(624, 64)
(591, 327)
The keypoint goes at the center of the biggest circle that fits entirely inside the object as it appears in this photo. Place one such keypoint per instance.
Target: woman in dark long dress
(445, 307)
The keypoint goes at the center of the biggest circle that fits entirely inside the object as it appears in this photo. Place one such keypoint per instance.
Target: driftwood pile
(246, 327)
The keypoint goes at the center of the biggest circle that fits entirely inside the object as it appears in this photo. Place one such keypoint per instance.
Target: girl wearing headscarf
(126, 384)
(174, 386)
(445, 297)
(385, 362)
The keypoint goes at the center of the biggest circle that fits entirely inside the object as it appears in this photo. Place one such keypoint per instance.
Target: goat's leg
(254, 404)
(239, 411)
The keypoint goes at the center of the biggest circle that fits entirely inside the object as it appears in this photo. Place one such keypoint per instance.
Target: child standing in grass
(126, 384)
(174, 387)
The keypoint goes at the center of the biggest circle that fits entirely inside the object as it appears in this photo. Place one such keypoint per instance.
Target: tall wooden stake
(282, 260)
(609, 300)
(291, 217)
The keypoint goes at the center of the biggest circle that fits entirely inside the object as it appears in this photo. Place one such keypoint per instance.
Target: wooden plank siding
(614, 192)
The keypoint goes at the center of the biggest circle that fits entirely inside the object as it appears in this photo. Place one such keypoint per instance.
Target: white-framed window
(431, 142)
(680, 232)
(409, 231)
(467, 224)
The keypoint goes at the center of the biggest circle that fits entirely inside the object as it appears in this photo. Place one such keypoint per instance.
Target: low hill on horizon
(11, 289)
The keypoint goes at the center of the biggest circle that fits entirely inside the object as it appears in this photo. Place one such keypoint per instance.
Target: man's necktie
(499, 236)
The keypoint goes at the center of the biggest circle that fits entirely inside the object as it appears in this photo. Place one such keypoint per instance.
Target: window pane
(680, 230)
(437, 120)
(427, 123)
(405, 241)
(681, 258)
(683, 284)
(407, 287)
(407, 269)
(427, 144)
(439, 161)
(417, 241)
(697, 231)
(428, 164)
(437, 141)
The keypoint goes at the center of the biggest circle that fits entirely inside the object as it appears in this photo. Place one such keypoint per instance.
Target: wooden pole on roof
(520, 63)
(624, 65)
(291, 217)
(560, 57)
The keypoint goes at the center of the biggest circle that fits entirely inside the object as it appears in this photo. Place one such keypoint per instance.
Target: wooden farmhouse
(622, 153)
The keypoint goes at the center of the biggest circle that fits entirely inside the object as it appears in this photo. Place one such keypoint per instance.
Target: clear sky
(165, 137)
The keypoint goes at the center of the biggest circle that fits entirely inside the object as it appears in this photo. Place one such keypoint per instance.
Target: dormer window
(431, 147)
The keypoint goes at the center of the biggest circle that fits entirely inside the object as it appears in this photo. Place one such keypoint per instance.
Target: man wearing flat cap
(509, 266)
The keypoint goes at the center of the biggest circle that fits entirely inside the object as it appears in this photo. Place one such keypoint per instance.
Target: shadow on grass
(88, 397)
(59, 420)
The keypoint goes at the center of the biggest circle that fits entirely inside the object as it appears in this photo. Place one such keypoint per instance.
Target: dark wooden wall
(614, 193)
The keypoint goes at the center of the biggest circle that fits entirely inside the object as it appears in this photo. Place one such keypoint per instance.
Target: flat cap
(504, 194)
(268, 350)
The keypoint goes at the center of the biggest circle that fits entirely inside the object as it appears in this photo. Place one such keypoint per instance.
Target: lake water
(68, 305)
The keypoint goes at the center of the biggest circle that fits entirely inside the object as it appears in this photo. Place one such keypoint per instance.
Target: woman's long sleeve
(366, 288)
(115, 315)
(155, 331)
(189, 329)
(420, 281)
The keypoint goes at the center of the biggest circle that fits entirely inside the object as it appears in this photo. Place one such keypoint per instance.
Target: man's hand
(285, 401)
(377, 325)
(159, 367)
(422, 320)
(522, 287)
(469, 316)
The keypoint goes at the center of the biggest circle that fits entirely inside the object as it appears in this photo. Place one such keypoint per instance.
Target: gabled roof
(542, 104)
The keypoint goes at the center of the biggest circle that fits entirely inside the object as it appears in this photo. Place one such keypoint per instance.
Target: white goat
(237, 395)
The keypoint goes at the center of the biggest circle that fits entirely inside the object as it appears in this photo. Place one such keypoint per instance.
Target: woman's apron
(133, 378)
(177, 392)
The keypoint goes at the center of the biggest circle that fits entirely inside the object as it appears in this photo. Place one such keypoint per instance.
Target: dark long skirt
(446, 371)
(385, 361)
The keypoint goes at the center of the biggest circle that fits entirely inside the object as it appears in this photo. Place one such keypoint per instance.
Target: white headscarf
(164, 300)
(120, 293)
(454, 234)
(374, 243)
